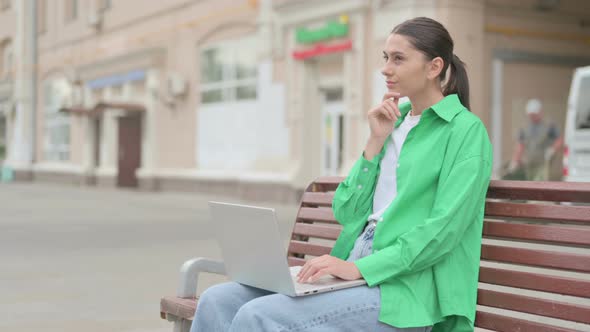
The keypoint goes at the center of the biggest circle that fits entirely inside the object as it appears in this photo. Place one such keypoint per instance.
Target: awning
(101, 107)
(129, 107)
(78, 110)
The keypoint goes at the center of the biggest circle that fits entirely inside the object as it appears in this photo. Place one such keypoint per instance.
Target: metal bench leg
(182, 325)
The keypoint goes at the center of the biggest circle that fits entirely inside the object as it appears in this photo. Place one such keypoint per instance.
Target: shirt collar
(446, 108)
(404, 109)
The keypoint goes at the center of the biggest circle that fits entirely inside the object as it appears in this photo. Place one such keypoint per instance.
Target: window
(6, 60)
(104, 4)
(5, 4)
(583, 105)
(71, 10)
(2, 137)
(56, 144)
(41, 16)
(229, 71)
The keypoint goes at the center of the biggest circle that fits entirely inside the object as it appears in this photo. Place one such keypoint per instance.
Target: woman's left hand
(326, 264)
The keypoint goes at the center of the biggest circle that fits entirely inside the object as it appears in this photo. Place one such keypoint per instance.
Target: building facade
(254, 98)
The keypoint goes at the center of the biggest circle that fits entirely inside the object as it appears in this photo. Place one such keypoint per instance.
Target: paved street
(88, 259)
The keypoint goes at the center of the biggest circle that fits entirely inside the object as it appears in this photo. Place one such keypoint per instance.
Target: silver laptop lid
(251, 246)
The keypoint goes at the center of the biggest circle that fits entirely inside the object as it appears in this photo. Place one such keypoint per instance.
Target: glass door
(332, 130)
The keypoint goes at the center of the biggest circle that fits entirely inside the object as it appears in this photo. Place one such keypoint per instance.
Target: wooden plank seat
(535, 269)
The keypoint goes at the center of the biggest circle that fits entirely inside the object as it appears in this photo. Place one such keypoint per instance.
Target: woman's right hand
(383, 117)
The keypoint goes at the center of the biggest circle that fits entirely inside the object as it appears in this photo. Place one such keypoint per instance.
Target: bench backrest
(535, 252)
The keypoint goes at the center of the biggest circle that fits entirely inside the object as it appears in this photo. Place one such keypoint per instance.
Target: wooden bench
(535, 270)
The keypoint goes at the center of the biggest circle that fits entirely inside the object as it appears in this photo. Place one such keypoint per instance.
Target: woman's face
(405, 68)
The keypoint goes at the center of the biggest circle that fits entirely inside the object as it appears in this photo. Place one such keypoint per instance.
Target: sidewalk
(98, 260)
(87, 259)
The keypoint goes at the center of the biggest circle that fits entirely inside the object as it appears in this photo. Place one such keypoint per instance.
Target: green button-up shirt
(426, 250)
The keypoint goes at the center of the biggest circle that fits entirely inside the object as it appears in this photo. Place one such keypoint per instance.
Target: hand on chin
(401, 93)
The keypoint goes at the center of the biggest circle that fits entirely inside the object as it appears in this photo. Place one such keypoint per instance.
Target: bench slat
(326, 183)
(316, 214)
(295, 261)
(536, 257)
(319, 231)
(495, 322)
(540, 191)
(318, 198)
(331, 180)
(548, 233)
(177, 306)
(301, 247)
(539, 211)
(519, 190)
(532, 305)
(535, 281)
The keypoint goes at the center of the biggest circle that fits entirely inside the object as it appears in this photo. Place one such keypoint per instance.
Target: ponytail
(433, 40)
(458, 82)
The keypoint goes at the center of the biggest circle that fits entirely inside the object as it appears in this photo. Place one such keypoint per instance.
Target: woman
(412, 218)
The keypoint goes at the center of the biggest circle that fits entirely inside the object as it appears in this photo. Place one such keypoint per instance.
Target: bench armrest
(189, 274)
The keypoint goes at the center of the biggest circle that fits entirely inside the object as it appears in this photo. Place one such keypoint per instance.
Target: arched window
(229, 71)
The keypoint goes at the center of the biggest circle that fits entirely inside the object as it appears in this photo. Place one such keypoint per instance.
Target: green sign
(332, 29)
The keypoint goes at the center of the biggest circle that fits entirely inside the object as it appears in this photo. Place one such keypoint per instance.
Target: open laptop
(254, 254)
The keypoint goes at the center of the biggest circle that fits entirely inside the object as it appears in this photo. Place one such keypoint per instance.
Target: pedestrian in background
(537, 144)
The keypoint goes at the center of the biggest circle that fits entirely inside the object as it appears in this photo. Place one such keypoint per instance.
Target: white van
(576, 155)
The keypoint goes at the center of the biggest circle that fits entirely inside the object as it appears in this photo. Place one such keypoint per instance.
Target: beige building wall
(505, 44)
(159, 37)
(7, 23)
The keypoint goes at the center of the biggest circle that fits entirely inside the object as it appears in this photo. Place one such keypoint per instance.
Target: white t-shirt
(386, 188)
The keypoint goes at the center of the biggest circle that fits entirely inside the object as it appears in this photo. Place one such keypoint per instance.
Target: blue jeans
(363, 246)
(235, 307)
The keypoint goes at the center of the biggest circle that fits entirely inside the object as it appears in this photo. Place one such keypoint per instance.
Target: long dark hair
(432, 38)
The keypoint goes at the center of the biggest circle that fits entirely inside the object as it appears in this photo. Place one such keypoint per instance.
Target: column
(146, 173)
(22, 144)
(107, 170)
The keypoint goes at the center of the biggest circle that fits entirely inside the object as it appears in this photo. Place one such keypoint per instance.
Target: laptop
(255, 255)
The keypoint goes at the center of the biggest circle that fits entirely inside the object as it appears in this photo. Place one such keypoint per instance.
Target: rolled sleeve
(354, 195)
